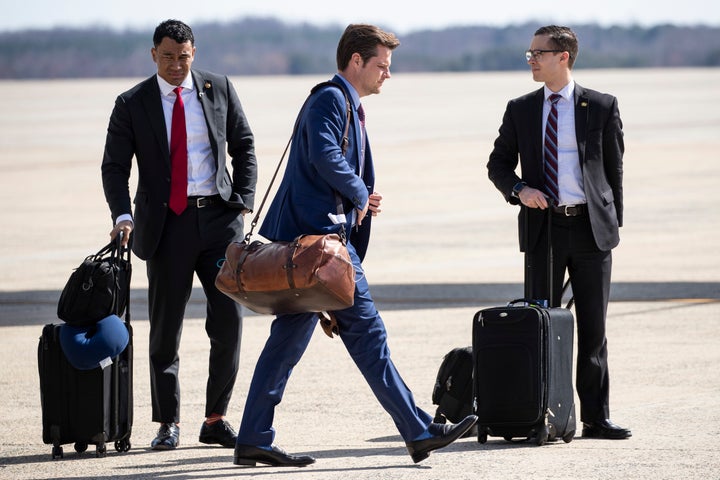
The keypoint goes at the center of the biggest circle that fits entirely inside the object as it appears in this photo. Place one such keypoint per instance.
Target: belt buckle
(567, 212)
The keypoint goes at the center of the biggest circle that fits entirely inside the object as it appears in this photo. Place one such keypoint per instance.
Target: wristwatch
(517, 188)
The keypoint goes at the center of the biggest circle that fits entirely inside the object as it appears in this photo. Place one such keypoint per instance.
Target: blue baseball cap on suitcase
(93, 346)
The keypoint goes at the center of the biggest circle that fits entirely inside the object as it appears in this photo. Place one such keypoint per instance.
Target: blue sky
(394, 15)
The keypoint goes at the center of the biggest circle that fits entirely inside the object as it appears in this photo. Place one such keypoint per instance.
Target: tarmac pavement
(443, 248)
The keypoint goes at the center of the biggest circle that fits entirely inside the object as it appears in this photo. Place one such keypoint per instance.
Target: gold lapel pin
(207, 85)
(583, 104)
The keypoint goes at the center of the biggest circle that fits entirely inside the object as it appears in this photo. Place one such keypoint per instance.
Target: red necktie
(178, 156)
(551, 153)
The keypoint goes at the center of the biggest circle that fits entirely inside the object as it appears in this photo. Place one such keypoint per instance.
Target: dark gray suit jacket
(137, 128)
(598, 129)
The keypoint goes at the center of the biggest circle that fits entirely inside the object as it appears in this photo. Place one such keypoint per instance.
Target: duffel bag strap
(344, 146)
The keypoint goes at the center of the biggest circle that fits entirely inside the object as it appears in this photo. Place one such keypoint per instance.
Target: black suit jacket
(598, 129)
(137, 128)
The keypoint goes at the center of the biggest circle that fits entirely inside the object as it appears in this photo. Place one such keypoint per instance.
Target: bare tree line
(266, 46)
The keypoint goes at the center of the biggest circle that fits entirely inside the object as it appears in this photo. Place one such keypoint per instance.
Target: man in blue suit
(316, 174)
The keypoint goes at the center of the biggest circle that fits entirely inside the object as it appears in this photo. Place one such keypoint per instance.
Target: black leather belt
(200, 202)
(570, 210)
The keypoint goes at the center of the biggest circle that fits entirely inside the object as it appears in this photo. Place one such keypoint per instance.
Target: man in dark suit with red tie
(569, 143)
(188, 208)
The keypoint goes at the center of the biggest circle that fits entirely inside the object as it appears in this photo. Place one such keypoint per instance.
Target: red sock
(213, 418)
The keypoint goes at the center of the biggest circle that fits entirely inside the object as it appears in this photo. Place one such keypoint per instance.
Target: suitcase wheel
(543, 435)
(122, 445)
(80, 447)
(57, 452)
(101, 450)
(568, 437)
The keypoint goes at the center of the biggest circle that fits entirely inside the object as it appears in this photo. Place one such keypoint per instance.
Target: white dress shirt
(570, 179)
(201, 163)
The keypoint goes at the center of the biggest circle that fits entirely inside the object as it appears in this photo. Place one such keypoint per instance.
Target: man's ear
(356, 60)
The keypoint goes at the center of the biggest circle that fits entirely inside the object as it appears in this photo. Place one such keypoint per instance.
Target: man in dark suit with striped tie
(569, 143)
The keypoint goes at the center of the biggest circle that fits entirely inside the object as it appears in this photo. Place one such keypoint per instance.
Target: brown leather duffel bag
(313, 273)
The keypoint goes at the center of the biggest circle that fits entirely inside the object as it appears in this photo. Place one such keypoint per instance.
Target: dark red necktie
(551, 150)
(361, 115)
(178, 156)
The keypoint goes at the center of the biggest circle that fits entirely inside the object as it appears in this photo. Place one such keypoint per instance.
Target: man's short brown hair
(363, 39)
(562, 38)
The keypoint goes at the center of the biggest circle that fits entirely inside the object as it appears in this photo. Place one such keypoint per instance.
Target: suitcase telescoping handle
(550, 268)
(551, 264)
(125, 253)
(542, 303)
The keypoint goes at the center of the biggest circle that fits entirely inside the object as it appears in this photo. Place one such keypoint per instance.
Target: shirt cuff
(124, 217)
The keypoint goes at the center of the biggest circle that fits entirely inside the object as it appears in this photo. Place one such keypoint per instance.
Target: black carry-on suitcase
(523, 372)
(523, 358)
(89, 406)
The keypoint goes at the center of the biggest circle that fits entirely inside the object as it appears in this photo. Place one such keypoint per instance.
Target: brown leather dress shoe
(275, 457)
(605, 429)
(219, 432)
(168, 437)
(442, 436)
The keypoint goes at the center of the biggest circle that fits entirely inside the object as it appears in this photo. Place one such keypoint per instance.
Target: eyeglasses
(536, 54)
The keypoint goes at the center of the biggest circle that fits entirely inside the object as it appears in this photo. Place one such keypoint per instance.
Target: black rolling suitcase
(523, 372)
(90, 406)
(523, 358)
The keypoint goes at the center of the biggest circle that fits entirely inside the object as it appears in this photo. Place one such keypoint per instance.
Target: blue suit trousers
(365, 338)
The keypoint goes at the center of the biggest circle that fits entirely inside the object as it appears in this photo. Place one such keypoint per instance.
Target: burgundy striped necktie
(178, 156)
(551, 150)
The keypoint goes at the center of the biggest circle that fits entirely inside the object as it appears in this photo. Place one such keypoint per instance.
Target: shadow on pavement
(37, 307)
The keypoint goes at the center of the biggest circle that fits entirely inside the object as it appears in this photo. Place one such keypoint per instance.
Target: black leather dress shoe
(443, 428)
(605, 429)
(219, 432)
(276, 457)
(444, 435)
(168, 437)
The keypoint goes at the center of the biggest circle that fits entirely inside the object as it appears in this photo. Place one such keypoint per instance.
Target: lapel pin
(583, 104)
(205, 87)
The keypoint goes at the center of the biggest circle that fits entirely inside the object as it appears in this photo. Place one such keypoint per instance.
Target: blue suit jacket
(316, 169)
